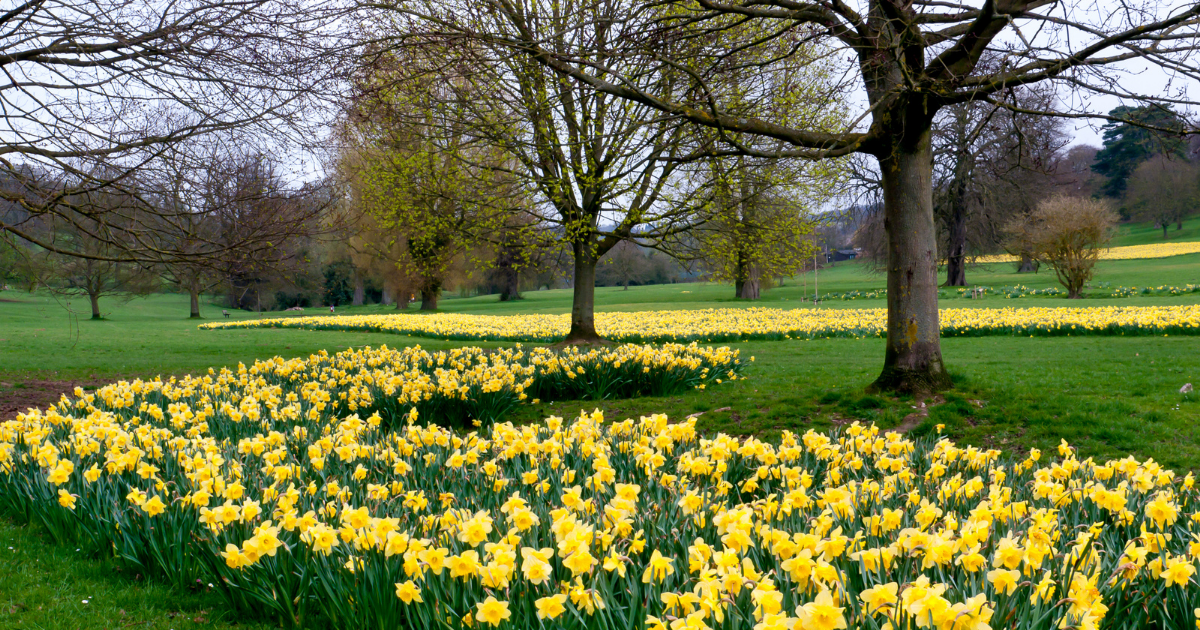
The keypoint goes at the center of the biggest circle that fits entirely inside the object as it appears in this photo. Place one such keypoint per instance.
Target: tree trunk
(751, 284)
(194, 294)
(510, 288)
(360, 290)
(95, 298)
(386, 297)
(429, 298)
(1179, 225)
(1165, 226)
(583, 303)
(956, 260)
(913, 357)
(1028, 265)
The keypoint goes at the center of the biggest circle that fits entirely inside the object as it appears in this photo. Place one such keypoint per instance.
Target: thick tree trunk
(583, 303)
(747, 284)
(429, 298)
(194, 294)
(510, 285)
(751, 285)
(386, 297)
(360, 290)
(95, 305)
(1028, 265)
(913, 357)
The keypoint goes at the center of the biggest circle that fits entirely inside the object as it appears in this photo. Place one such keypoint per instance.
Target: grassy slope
(1108, 396)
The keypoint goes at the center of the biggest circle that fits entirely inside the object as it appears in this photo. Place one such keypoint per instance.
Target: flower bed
(333, 519)
(1129, 252)
(731, 324)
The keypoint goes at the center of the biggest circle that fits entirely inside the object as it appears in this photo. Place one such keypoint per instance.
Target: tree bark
(510, 288)
(386, 297)
(194, 294)
(1165, 226)
(747, 283)
(429, 298)
(583, 304)
(1028, 265)
(913, 357)
(956, 258)
(750, 285)
(360, 290)
(95, 298)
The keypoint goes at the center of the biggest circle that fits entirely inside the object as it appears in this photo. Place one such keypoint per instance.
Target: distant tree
(81, 264)
(339, 282)
(441, 197)
(1067, 233)
(1163, 189)
(1073, 174)
(247, 198)
(628, 263)
(95, 91)
(989, 163)
(758, 218)
(1128, 144)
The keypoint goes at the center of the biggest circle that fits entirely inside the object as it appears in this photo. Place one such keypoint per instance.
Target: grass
(46, 585)
(1146, 233)
(1109, 396)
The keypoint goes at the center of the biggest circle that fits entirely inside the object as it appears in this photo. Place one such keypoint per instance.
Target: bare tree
(79, 264)
(1067, 233)
(93, 91)
(1164, 189)
(912, 59)
(989, 164)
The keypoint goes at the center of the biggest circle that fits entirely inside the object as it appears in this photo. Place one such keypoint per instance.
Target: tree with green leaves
(1131, 136)
(423, 178)
(759, 218)
(605, 169)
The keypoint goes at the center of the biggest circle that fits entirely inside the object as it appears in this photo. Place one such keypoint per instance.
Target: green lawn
(1109, 396)
(1146, 233)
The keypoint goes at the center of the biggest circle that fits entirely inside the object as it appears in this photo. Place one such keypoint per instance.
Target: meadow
(1110, 397)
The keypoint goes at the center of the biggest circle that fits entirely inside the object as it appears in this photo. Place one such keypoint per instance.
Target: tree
(1132, 136)
(1067, 233)
(247, 199)
(1164, 189)
(94, 91)
(79, 264)
(421, 176)
(605, 169)
(758, 218)
(628, 263)
(912, 59)
(989, 163)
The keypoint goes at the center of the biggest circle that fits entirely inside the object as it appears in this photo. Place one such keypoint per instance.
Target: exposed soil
(914, 419)
(17, 397)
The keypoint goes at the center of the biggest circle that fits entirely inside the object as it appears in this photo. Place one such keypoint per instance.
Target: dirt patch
(914, 419)
(18, 397)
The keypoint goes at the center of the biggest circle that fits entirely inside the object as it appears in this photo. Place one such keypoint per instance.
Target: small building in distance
(838, 255)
